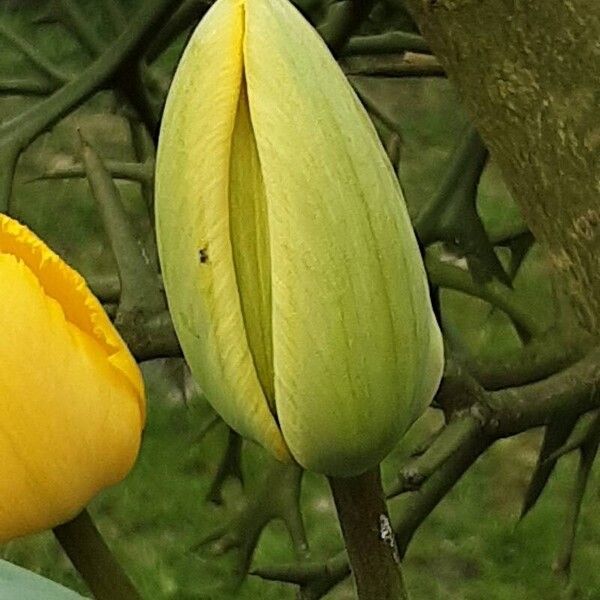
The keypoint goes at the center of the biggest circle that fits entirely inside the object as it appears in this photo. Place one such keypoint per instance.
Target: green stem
(368, 535)
(93, 560)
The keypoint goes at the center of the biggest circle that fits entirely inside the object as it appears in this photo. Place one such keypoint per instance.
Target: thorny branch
(477, 418)
(17, 133)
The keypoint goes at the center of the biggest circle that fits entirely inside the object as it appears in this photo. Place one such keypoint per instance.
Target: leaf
(16, 582)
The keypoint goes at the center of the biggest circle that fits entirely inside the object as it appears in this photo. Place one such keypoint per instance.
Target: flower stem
(369, 537)
(93, 559)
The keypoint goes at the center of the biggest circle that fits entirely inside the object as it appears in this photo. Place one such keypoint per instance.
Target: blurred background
(472, 546)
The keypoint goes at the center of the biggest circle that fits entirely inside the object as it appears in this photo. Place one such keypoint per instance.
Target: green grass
(470, 547)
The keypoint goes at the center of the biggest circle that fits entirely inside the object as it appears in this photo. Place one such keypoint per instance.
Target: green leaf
(16, 582)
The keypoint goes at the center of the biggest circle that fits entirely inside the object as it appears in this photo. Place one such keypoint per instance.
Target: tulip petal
(432, 365)
(71, 422)
(69, 289)
(250, 241)
(353, 330)
(194, 227)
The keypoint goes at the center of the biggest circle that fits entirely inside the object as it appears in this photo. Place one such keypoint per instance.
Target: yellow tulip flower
(72, 404)
(291, 268)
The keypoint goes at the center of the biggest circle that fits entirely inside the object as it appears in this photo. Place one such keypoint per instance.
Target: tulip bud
(71, 396)
(292, 272)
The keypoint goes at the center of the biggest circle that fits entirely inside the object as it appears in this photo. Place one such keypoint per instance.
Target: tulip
(291, 268)
(71, 396)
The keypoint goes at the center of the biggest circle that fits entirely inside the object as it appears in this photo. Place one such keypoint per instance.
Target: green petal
(250, 240)
(353, 330)
(194, 225)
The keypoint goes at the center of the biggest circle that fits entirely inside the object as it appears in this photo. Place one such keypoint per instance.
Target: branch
(588, 452)
(372, 106)
(416, 506)
(66, 168)
(343, 20)
(478, 418)
(19, 131)
(519, 246)
(451, 214)
(500, 414)
(555, 434)
(276, 497)
(230, 467)
(129, 79)
(36, 57)
(81, 26)
(26, 86)
(408, 64)
(184, 18)
(574, 391)
(145, 152)
(583, 430)
(458, 432)
(541, 357)
(107, 288)
(391, 42)
(140, 289)
(9, 155)
(507, 412)
(117, 16)
(150, 338)
(314, 579)
(462, 176)
(495, 293)
(507, 64)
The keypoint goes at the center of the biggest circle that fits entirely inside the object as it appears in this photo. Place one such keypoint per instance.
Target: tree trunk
(529, 75)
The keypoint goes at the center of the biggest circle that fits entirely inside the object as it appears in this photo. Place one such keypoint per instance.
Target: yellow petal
(352, 319)
(71, 396)
(70, 290)
(195, 171)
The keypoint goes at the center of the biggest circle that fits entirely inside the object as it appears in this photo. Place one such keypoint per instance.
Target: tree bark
(529, 75)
